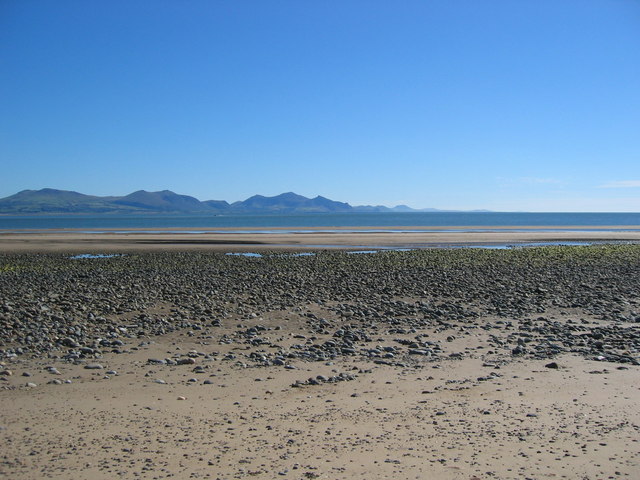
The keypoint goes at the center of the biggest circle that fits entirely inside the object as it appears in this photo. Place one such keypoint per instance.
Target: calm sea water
(422, 219)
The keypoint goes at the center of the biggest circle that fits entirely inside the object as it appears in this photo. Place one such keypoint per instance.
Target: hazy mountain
(382, 208)
(402, 208)
(51, 201)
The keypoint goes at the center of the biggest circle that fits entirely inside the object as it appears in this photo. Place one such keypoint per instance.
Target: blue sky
(498, 104)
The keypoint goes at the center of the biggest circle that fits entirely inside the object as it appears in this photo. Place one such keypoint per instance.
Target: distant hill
(51, 201)
(382, 208)
(217, 205)
(164, 201)
(289, 203)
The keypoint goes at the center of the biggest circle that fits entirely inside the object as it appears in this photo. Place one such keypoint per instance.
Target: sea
(260, 223)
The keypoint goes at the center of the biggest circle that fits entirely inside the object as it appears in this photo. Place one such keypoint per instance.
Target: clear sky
(498, 104)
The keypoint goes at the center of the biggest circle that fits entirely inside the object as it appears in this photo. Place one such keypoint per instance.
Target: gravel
(78, 309)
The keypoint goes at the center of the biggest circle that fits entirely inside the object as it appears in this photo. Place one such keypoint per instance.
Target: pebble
(186, 361)
(93, 366)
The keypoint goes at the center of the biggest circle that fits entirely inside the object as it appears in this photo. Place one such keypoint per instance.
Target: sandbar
(236, 239)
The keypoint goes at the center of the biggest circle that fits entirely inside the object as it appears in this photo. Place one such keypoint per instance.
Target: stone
(93, 366)
(186, 361)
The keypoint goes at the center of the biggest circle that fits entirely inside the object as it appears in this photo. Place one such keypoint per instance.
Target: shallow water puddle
(96, 255)
(244, 254)
(525, 245)
(384, 249)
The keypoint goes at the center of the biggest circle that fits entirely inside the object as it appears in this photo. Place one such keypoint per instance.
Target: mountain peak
(291, 196)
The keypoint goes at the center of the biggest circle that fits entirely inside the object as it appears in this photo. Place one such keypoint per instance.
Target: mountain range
(52, 201)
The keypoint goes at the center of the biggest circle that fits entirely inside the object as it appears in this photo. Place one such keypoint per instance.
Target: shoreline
(327, 228)
(304, 238)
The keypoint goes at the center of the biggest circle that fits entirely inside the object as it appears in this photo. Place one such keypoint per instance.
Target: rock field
(437, 363)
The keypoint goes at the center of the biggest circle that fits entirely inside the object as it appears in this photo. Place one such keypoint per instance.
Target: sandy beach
(344, 240)
(442, 364)
(237, 239)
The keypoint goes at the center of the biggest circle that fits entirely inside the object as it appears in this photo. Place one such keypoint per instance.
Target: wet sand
(283, 239)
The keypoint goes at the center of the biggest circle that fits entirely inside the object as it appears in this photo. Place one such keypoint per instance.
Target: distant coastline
(49, 201)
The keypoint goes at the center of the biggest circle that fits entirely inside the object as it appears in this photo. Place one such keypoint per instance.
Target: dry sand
(522, 420)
